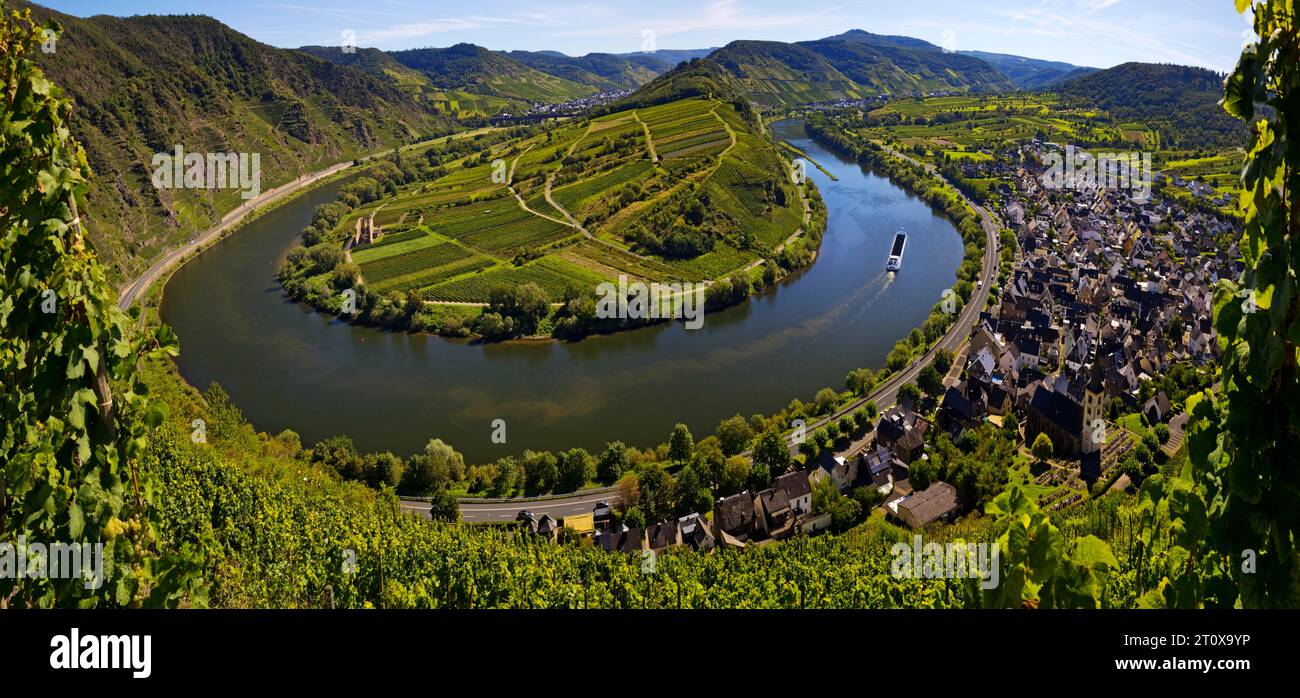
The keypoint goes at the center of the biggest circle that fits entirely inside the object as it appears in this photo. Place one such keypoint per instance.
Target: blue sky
(1098, 33)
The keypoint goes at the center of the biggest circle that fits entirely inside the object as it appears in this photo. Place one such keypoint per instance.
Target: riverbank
(288, 367)
(320, 277)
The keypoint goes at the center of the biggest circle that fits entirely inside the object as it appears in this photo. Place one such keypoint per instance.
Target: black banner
(509, 647)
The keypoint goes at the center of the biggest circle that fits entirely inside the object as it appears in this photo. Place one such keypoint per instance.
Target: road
(135, 289)
(886, 395)
(499, 511)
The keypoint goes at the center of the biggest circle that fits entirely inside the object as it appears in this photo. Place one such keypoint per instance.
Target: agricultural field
(552, 274)
(456, 238)
(960, 126)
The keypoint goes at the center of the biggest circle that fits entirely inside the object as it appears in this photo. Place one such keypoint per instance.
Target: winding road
(136, 289)
(886, 395)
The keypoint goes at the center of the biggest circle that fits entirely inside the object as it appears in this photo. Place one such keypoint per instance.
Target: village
(1111, 288)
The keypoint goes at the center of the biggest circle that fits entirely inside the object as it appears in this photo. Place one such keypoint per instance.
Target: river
(289, 367)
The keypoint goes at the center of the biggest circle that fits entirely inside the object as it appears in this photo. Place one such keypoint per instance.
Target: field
(552, 274)
(454, 239)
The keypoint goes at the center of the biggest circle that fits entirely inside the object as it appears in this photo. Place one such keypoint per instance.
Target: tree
(613, 462)
(911, 393)
(656, 490)
(735, 476)
(541, 472)
(930, 381)
(680, 444)
(74, 418)
(943, 360)
(827, 499)
(859, 380)
(709, 462)
(772, 452)
(691, 494)
(634, 517)
(734, 435)
(1042, 448)
(379, 470)
(443, 506)
(824, 401)
(507, 478)
(574, 470)
(920, 475)
(760, 477)
(1162, 433)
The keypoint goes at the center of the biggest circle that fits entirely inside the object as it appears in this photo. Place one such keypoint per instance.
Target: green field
(456, 238)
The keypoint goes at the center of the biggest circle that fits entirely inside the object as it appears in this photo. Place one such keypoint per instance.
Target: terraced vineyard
(505, 217)
(552, 274)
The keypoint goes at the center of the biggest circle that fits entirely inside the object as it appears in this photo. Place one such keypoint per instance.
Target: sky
(1097, 33)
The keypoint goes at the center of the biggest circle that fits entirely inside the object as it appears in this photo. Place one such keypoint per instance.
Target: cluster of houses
(576, 107)
(1110, 289)
(785, 508)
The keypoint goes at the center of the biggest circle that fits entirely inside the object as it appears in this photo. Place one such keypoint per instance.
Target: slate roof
(938, 499)
(1058, 409)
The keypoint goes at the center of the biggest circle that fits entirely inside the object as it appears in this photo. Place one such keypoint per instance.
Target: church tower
(1094, 420)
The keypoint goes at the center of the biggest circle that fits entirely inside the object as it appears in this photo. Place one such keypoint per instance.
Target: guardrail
(520, 500)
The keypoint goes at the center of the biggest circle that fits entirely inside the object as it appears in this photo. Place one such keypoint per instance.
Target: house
(840, 471)
(580, 524)
(957, 412)
(695, 532)
(798, 491)
(547, 526)
(902, 431)
(734, 518)
(772, 512)
(664, 535)
(878, 465)
(630, 540)
(1157, 408)
(936, 502)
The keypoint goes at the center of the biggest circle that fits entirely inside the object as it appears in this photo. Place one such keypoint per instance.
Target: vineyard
(553, 275)
(504, 217)
(283, 544)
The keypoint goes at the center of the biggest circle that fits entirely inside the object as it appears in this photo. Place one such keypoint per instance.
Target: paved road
(504, 511)
(886, 395)
(137, 288)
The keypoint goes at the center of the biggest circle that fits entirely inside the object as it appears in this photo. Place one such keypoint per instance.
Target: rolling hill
(1179, 102)
(853, 65)
(477, 70)
(1030, 73)
(604, 71)
(143, 85)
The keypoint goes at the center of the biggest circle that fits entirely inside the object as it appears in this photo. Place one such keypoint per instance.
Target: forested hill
(772, 73)
(604, 71)
(478, 70)
(1030, 73)
(1180, 102)
(143, 85)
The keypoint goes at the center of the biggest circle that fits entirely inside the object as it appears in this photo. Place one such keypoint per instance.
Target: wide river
(288, 367)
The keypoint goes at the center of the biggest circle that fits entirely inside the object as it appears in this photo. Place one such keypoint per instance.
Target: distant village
(538, 111)
(1109, 289)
